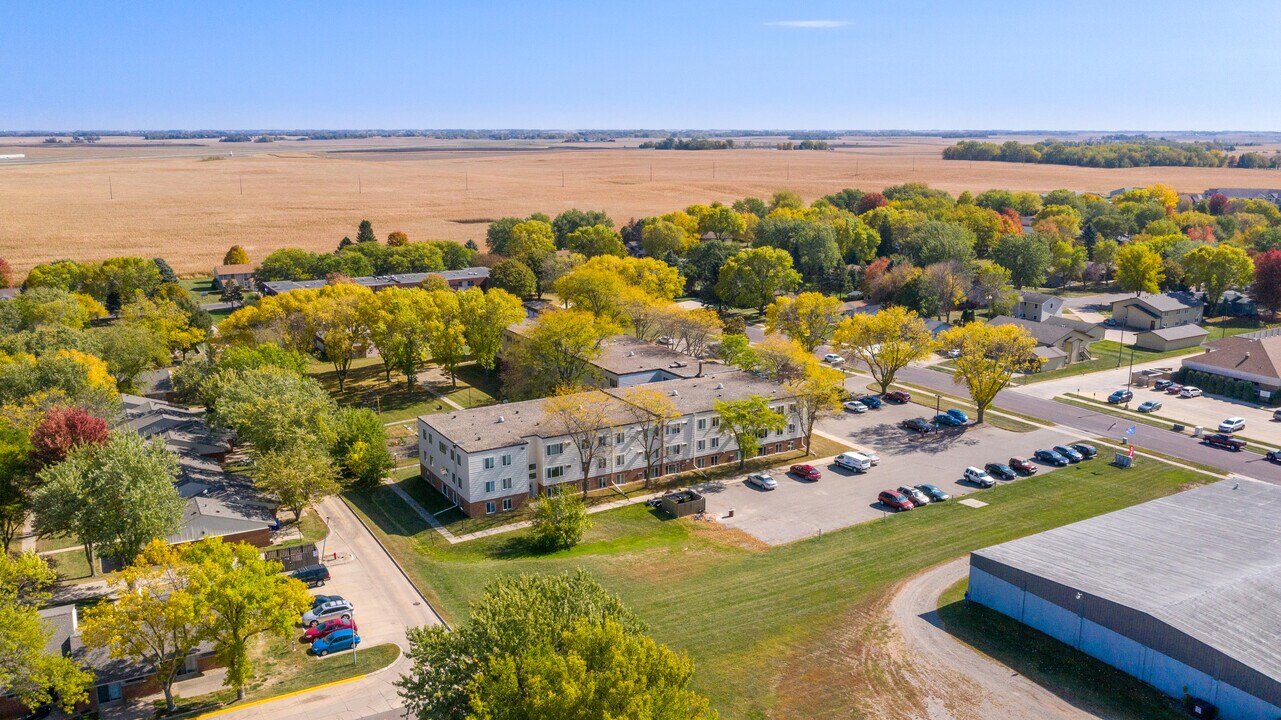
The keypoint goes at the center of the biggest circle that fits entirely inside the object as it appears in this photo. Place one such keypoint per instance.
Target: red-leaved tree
(62, 430)
(870, 201)
(6, 274)
(1266, 289)
(1218, 204)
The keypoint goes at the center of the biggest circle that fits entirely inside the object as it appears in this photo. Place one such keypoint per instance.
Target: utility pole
(713, 169)
(466, 182)
(110, 193)
(242, 184)
(562, 178)
(651, 173)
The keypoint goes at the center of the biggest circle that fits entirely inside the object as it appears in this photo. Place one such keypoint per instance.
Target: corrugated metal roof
(1207, 562)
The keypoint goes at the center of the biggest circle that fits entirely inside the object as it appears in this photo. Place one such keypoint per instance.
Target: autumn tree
(556, 351)
(809, 318)
(745, 420)
(236, 255)
(1218, 268)
(1266, 289)
(584, 418)
(949, 281)
(722, 222)
(397, 238)
(753, 277)
(446, 335)
(987, 358)
(661, 238)
(649, 410)
(534, 243)
(1105, 255)
(1139, 269)
(485, 316)
(32, 676)
(340, 325)
(396, 320)
(153, 618)
(61, 430)
(558, 520)
(885, 342)
(6, 274)
(815, 395)
(246, 596)
(298, 476)
(781, 359)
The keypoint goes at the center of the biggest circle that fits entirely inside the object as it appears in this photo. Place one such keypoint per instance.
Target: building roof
(1080, 326)
(1206, 562)
(1245, 193)
(1179, 332)
(1165, 302)
(1036, 297)
(1048, 352)
(1044, 333)
(9, 293)
(1253, 355)
(242, 269)
(382, 281)
(508, 424)
(624, 355)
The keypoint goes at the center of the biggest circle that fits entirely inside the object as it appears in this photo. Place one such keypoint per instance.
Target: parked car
(318, 600)
(1000, 471)
(762, 481)
(1023, 467)
(917, 497)
(898, 396)
(665, 340)
(1162, 384)
(809, 472)
(958, 415)
(833, 359)
(1110, 322)
(858, 462)
(978, 477)
(1149, 406)
(313, 575)
(1189, 391)
(933, 492)
(871, 401)
(326, 627)
(1232, 424)
(1274, 456)
(335, 641)
(1276, 414)
(1072, 455)
(1050, 458)
(855, 406)
(1087, 451)
(1120, 396)
(953, 353)
(948, 420)
(1225, 441)
(327, 611)
(1174, 388)
(919, 425)
(871, 457)
(894, 500)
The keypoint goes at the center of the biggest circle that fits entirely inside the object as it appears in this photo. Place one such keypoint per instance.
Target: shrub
(559, 520)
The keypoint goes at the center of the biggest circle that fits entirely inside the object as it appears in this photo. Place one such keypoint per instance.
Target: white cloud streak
(808, 24)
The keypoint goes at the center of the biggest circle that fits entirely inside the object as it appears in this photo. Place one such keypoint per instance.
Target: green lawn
(1108, 355)
(784, 631)
(1155, 420)
(202, 286)
(55, 542)
(367, 386)
(1079, 679)
(313, 529)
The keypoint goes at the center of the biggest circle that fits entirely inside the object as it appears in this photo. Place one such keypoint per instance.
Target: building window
(619, 438)
(674, 429)
(716, 422)
(489, 486)
(490, 507)
(673, 450)
(602, 441)
(702, 444)
(602, 482)
(791, 428)
(702, 423)
(620, 459)
(763, 434)
(507, 504)
(533, 476)
(507, 460)
(507, 483)
(555, 448)
(699, 462)
(442, 445)
(716, 460)
(716, 442)
(602, 464)
(489, 463)
(620, 478)
(424, 434)
(555, 472)
(778, 432)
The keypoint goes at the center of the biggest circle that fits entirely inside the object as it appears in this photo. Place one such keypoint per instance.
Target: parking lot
(800, 509)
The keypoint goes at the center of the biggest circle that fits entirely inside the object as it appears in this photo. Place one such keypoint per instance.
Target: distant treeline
(674, 143)
(1115, 151)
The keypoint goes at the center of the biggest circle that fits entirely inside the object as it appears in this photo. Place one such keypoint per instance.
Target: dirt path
(974, 686)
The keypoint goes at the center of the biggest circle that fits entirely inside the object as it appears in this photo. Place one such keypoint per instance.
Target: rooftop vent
(502, 419)
(675, 393)
(631, 353)
(720, 386)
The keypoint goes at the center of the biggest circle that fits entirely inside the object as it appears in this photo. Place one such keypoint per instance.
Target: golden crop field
(190, 201)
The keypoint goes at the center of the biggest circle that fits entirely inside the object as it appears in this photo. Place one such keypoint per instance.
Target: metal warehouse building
(1183, 593)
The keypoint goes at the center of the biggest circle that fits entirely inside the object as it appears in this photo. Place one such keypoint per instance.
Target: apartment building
(495, 459)
(457, 280)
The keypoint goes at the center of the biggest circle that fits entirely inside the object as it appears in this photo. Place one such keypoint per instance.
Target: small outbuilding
(683, 503)
(1171, 338)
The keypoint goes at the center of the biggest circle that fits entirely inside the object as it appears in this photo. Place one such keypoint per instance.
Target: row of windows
(491, 507)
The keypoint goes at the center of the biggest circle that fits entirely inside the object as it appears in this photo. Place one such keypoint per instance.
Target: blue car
(1050, 458)
(949, 420)
(959, 415)
(870, 401)
(335, 641)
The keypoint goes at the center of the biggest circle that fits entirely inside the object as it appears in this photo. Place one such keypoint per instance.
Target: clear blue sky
(914, 64)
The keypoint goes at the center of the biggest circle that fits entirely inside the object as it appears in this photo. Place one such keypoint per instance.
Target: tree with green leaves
(592, 240)
(534, 243)
(34, 677)
(515, 277)
(573, 219)
(745, 420)
(751, 278)
(485, 316)
(939, 241)
(360, 451)
(113, 498)
(396, 319)
(365, 233)
(816, 394)
(272, 408)
(129, 349)
(299, 476)
(16, 485)
(1218, 268)
(1026, 256)
(246, 596)
(722, 222)
(558, 520)
(661, 239)
(556, 351)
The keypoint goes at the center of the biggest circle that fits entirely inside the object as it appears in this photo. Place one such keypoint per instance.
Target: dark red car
(1022, 466)
(898, 396)
(1225, 441)
(326, 627)
(809, 472)
(895, 500)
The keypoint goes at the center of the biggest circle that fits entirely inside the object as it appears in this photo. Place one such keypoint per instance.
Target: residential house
(9, 293)
(496, 458)
(1056, 344)
(1255, 358)
(936, 326)
(1153, 312)
(1235, 304)
(1171, 338)
(457, 280)
(242, 274)
(1271, 195)
(1037, 306)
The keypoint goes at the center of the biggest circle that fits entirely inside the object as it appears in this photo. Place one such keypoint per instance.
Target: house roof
(241, 269)
(381, 281)
(624, 355)
(1179, 332)
(1045, 334)
(1036, 297)
(1164, 302)
(1048, 352)
(1256, 356)
(1080, 326)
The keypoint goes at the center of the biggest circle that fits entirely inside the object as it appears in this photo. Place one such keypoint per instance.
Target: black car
(1120, 396)
(319, 600)
(919, 425)
(1067, 452)
(312, 575)
(1162, 384)
(1000, 471)
(1049, 457)
(1087, 451)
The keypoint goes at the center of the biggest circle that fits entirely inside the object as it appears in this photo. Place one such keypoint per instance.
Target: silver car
(325, 611)
(762, 481)
(917, 497)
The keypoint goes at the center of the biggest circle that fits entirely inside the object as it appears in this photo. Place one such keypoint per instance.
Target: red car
(809, 472)
(895, 500)
(1022, 466)
(326, 627)
(898, 396)
(1174, 388)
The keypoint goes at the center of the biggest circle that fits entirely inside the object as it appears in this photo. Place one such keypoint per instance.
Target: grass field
(1108, 355)
(367, 386)
(1078, 678)
(775, 632)
(107, 199)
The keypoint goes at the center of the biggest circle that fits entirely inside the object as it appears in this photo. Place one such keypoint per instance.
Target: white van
(858, 462)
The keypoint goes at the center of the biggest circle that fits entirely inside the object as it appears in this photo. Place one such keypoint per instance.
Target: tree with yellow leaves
(815, 394)
(809, 318)
(987, 358)
(583, 417)
(339, 324)
(1139, 268)
(485, 315)
(885, 342)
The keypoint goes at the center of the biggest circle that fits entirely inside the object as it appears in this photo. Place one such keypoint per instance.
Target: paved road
(971, 684)
(1106, 426)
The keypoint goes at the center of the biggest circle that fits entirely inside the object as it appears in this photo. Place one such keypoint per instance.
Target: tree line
(1107, 152)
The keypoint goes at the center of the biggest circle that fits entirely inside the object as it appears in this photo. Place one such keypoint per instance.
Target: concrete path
(960, 682)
